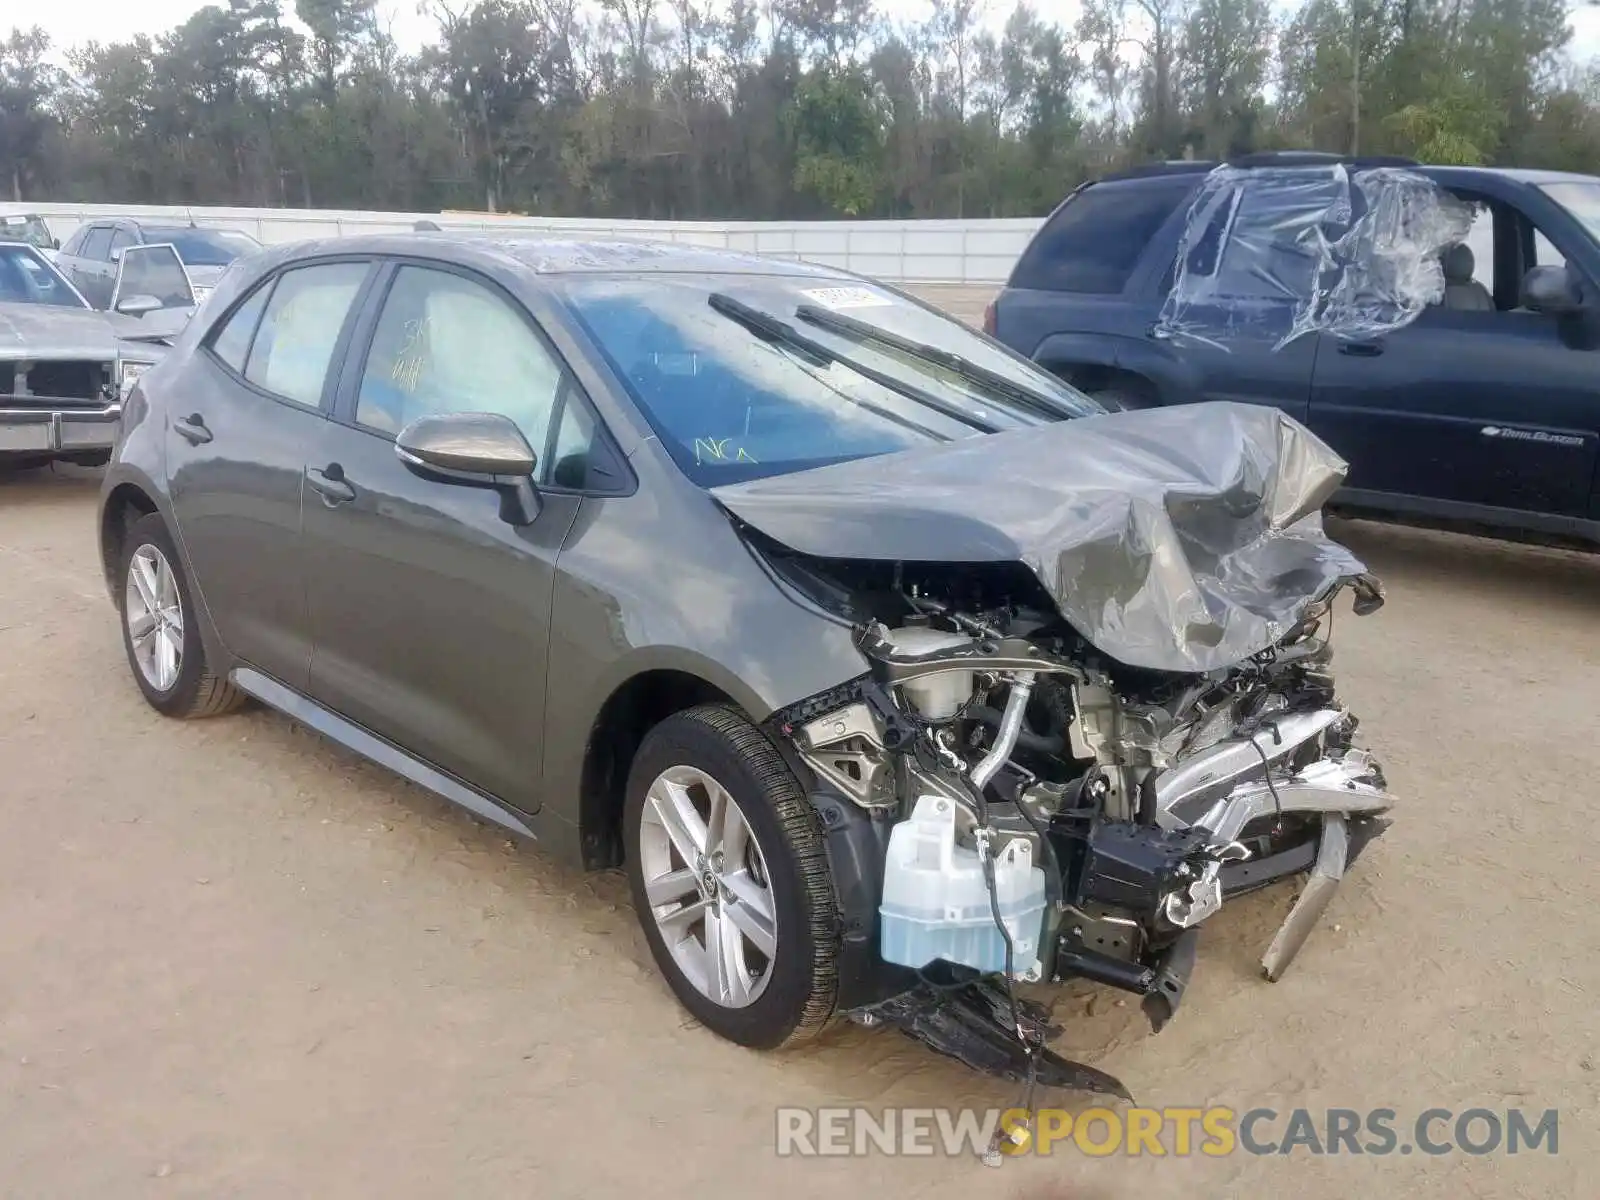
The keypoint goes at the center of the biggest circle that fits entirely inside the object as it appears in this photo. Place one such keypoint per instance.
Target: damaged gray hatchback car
(894, 672)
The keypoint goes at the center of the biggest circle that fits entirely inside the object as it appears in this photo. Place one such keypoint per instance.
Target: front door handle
(1361, 349)
(192, 429)
(331, 484)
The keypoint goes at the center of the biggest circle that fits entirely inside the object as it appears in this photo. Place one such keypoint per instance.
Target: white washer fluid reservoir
(936, 903)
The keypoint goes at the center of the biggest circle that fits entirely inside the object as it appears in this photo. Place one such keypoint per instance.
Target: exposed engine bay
(1004, 804)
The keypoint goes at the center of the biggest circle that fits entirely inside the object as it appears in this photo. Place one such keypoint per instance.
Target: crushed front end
(1006, 805)
(1097, 701)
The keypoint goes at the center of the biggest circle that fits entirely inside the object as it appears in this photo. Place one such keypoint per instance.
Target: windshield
(1582, 200)
(731, 403)
(26, 278)
(29, 229)
(203, 247)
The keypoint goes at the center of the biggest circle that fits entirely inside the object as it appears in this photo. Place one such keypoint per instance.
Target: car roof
(1132, 176)
(545, 255)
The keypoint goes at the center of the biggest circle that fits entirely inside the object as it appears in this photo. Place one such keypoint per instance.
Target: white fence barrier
(933, 251)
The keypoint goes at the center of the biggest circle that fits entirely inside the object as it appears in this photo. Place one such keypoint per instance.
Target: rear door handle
(192, 429)
(331, 484)
(1361, 349)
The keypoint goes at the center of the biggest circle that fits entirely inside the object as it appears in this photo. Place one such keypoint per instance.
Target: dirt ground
(236, 961)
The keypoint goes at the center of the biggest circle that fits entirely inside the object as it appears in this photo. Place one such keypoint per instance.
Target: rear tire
(161, 628)
(697, 882)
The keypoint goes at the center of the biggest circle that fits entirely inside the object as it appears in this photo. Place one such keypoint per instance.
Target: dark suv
(1485, 408)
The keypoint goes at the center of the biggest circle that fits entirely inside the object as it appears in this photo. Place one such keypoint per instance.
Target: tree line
(776, 109)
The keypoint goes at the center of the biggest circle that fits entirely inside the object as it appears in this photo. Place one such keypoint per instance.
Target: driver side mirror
(137, 306)
(484, 450)
(1552, 290)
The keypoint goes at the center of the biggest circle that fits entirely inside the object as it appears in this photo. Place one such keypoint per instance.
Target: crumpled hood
(45, 331)
(1177, 539)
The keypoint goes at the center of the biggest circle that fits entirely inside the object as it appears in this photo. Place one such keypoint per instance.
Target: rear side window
(98, 244)
(1095, 240)
(294, 345)
(231, 343)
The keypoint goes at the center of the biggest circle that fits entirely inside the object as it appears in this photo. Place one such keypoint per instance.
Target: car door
(1212, 323)
(243, 421)
(1477, 405)
(431, 614)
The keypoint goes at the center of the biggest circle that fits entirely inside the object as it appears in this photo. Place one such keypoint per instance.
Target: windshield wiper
(774, 329)
(1037, 403)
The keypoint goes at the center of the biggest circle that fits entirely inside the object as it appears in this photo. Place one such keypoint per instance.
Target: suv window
(444, 344)
(121, 239)
(98, 244)
(300, 327)
(231, 341)
(1095, 240)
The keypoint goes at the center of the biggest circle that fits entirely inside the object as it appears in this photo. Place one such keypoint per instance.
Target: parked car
(1485, 408)
(29, 228)
(90, 255)
(65, 368)
(875, 654)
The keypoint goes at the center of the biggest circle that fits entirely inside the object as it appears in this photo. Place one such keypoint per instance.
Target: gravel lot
(236, 961)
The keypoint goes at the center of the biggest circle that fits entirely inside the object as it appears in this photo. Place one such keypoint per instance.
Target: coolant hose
(1010, 727)
(1041, 743)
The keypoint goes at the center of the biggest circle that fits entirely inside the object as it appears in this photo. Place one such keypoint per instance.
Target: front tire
(730, 879)
(161, 629)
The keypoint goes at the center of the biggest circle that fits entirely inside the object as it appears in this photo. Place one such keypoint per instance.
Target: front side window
(152, 273)
(445, 344)
(294, 345)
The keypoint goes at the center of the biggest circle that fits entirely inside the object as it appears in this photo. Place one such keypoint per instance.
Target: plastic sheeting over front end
(1273, 253)
(1178, 539)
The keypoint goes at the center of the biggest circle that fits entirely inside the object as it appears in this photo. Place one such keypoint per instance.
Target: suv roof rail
(1173, 166)
(1262, 158)
(1315, 158)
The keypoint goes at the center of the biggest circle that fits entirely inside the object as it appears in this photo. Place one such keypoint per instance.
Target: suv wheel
(730, 879)
(159, 630)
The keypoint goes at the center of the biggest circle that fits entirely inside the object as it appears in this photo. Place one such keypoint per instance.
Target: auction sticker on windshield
(848, 297)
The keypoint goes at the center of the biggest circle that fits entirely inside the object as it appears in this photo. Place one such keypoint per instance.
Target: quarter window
(444, 344)
(231, 343)
(294, 345)
(1097, 238)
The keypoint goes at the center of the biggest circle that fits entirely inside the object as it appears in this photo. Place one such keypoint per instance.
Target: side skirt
(370, 746)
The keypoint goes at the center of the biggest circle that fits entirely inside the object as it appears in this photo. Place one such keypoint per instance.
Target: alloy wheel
(708, 887)
(154, 613)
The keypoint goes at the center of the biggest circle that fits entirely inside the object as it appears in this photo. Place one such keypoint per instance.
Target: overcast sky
(73, 22)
